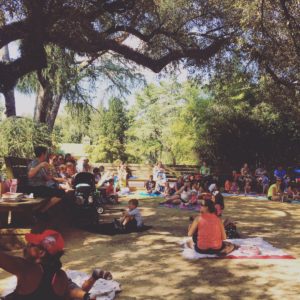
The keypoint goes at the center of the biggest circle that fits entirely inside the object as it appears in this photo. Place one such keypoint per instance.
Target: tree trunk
(43, 97)
(53, 111)
(10, 103)
(46, 106)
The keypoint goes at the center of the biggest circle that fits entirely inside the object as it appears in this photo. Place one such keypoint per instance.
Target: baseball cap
(51, 240)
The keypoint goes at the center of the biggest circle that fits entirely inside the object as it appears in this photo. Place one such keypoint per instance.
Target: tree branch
(156, 65)
(293, 27)
(12, 32)
(279, 80)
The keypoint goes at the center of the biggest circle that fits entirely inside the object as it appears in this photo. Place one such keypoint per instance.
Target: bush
(20, 135)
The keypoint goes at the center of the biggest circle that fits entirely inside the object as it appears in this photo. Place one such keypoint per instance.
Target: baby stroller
(88, 202)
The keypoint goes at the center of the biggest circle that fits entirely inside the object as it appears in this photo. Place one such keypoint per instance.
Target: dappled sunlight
(149, 265)
(95, 239)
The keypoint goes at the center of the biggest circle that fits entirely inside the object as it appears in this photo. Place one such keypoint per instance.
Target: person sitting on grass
(245, 170)
(234, 188)
(150, 185)
(179, 183)
(208, 232)
(275, 191)
(227, 186)
(160, 185)
(292, 193)
(194, 194)
(132, 219)
(218, 200)
(38, 178)
(110, 191)
(280, 173)
(183, 195)
(247, 184)
(97, 175)
(39, 274)
(205, 170)
(168, 190)
(265, 182)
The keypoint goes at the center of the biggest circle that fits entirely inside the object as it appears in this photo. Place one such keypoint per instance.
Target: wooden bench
(141, 172)
(21, 210)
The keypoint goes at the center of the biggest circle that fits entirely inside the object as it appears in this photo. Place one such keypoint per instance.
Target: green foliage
(107, 130)
(20, 135)
(160, 126)
(243, 123)
(73, 124)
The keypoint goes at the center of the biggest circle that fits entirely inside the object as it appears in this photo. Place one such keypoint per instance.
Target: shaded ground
(149, 265)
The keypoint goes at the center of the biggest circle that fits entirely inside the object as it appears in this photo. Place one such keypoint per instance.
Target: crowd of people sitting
(277, 185)
(52, 176)
(39, 273)
(189, 189)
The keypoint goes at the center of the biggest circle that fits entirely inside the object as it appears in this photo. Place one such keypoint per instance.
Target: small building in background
(77, 150)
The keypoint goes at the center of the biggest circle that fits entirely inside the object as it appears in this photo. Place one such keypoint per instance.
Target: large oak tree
(162, 31)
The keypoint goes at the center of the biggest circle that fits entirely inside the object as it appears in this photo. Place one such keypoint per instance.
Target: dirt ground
(149, 265)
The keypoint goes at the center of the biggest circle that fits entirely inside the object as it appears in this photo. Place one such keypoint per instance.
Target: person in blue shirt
(280, 173)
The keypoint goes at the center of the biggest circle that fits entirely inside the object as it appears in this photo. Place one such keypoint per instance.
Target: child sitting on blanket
(169, 191)
(132, 219)
(160, 184)
(227, 186)
(193, 199)
(291, 193)
(150, 185)
(208, 232)
(234, 188)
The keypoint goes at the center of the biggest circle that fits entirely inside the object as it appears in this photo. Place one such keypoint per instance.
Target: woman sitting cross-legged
(208, 232)
(182, 195)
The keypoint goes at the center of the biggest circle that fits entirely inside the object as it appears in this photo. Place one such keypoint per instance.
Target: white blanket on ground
(249, 248)
(103, 289)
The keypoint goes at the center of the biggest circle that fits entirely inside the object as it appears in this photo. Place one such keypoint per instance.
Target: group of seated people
(51, 176)
(158, 182)
(259, 181)
(39, 272)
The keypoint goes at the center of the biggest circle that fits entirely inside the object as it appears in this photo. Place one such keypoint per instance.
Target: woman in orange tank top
(208, 232)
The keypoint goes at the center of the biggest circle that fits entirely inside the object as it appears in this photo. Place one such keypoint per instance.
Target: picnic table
(26, 206)
(18, 210)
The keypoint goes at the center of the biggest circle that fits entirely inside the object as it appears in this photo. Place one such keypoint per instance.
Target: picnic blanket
(251, 195)
(145, 194)
(102, 289)
(190, 207)
(255, 197)
(250, 248)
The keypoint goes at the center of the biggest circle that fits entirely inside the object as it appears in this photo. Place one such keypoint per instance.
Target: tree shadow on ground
(149, 265)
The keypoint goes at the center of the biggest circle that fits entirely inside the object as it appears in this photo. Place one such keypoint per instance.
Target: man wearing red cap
(39, 273)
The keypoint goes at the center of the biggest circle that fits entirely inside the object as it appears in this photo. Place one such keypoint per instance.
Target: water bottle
(13, 186)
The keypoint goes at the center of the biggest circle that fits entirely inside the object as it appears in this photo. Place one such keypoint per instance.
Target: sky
(25, 103)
